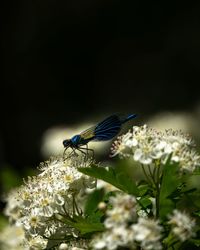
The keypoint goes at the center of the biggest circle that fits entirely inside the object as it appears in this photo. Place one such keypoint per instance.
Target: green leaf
(93, 200)
(196, 172)
(9, 178)
(118, 177)
(196, 242)
(170, 183)
(109, 194)
(197, 213)
(145, 202)
(84, 225)
(3, 222)
(143, 189)
(189, 191)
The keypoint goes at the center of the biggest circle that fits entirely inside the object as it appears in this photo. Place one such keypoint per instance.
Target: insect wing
(108, 128)
(88, 134)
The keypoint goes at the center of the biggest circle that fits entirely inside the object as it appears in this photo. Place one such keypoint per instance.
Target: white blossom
(146, 145)
(63, 246)
(119, 216)
(123, 210)
(39, 205)
(148, 233)
(78, 244)
(12, 237)
(120, 236)
(13, 204)
(182, 225)
(35, 243)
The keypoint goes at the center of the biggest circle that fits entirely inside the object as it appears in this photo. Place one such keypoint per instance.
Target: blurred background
(68, 64)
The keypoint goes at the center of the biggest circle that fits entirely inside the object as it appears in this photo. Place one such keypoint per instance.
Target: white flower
(114, 238)
(143, 213)
(188, 159)
(146, 146)
(123, 210)
(36, 243)
(118, 233)
(77, 248)
(182, 225)
(139, 135)
(63, 246)
(39, 205)
(13, 204)
(32, 222)
(148, 233)
(12, 238)
(79, 244)
(143, 156)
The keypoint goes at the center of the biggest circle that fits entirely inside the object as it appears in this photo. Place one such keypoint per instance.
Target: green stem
(67, 217)
(173, 243)
(146, 175)
(76, 207)
(157, 173)
(152, 175)
(64, 208)
(73, 205)
(66, 213)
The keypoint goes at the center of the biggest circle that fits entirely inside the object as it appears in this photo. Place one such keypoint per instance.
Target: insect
(103, 131)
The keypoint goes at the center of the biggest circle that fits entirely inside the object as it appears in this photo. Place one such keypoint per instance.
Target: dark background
(67, 61)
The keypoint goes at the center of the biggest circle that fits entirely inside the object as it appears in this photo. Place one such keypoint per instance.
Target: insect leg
(72, 152)
(91, 150)
(85, 154)
(88, 149)
(64, 152)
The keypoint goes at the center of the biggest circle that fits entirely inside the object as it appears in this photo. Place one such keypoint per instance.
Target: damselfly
(103, 131)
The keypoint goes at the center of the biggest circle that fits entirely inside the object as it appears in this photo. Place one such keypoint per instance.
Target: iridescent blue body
(103, 131)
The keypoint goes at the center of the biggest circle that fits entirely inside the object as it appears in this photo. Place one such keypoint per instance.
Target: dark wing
(108, 128)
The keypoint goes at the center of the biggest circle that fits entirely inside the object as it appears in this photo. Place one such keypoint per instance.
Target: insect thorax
(75, 140)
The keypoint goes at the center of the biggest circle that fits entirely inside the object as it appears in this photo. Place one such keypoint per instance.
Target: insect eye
(66, 143)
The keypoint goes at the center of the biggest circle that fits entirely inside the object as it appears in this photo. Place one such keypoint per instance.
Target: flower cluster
(12, 238)
(123, 229)
(41, 203)
(182, 225)
(147, 145)
(47, 211)
(123, 210)
(147, 233)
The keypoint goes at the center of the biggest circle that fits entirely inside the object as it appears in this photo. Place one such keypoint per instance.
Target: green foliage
(196, 242)
(3, 222)
(161, 189)
(9, 178)
(92, 202)
(86, 225)
(90, 221)
(165, 183)
(197, 213)
(145, 202)
(170, 182)
(143, 189)
(118, 177)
